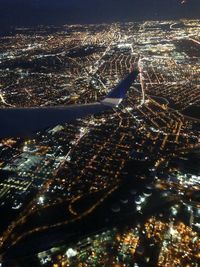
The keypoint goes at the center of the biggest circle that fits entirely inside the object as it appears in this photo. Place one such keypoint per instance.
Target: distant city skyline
(34, 12)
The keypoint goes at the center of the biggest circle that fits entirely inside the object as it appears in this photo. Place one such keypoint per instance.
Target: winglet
(116, 95)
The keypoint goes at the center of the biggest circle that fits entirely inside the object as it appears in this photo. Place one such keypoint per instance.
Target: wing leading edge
(25, 121)
(116, 95)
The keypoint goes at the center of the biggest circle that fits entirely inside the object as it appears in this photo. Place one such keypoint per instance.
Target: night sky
(34, 12)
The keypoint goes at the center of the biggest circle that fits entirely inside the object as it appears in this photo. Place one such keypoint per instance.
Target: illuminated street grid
(59, 169)
(177, 243)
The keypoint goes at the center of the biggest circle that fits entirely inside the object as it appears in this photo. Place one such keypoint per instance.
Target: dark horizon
(32, 13)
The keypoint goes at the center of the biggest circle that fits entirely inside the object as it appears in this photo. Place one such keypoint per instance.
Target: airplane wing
(25, 121)
(116, 95)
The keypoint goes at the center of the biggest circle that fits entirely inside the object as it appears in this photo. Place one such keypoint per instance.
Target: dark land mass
(192, 111)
